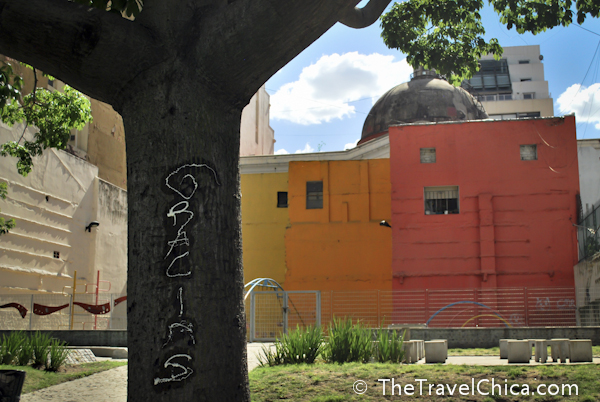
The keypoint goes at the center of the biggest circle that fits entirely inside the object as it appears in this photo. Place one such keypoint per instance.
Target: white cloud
(583, 101)
(281, 152)
(323, 90)
(351, 145)
(307, 149)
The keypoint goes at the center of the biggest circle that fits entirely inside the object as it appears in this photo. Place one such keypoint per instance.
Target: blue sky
(319, 100)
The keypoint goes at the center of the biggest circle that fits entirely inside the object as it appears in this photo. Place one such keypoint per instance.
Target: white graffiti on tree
(185, 373)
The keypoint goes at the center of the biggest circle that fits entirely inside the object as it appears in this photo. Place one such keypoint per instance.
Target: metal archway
(465, 302)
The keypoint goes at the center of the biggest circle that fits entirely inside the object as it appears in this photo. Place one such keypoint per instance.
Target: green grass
(37, 379)
(334, 382)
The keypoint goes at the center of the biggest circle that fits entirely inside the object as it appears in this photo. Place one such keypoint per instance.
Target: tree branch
(248, 41)
(94, 51)
(363, 17)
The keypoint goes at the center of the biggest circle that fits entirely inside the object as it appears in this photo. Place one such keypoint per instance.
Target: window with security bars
(529, 152)
(427, 155)
(314, 195)
(282, 199)
(441, 200)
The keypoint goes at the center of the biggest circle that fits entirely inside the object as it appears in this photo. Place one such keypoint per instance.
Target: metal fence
(270, 314)
(587, 233)
(57, 312)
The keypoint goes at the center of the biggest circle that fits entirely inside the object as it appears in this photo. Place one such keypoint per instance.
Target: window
(529, 152)
(493, 76)
(314, 195)
(282, 201)
(57, 254)
(529, 95)
(525, 79)
(441, 200)
(427, 155)
(528, 114)
(523, 61)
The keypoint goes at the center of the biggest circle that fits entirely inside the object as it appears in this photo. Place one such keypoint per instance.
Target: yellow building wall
(341, 246)
(263, 226)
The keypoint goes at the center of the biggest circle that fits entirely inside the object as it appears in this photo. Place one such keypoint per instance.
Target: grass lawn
(334, 383)
(37, 379)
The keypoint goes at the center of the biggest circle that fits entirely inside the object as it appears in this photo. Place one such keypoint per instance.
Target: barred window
(441, 200)
(314, 195)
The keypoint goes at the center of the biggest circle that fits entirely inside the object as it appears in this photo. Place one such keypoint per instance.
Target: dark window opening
(282, 199)
(314, 195)
(427, 155)
(57, 254)
(529, 152)
(441, 200)
(523, 61)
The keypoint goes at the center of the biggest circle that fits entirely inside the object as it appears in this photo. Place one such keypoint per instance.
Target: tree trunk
(186, 323)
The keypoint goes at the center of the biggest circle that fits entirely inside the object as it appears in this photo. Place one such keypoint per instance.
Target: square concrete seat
(580, 350)
(559, 349)
(518, 351)
(503, 348)
(541, 351)
(421, 349)
(445, 342)
(436, 351)
(411, 351)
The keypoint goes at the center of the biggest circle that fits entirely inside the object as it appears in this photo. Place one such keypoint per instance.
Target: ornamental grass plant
(9, 347)
(348, 342)
(390, 346)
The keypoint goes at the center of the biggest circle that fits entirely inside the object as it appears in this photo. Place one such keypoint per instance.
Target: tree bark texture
(186, 324)
(180, 75)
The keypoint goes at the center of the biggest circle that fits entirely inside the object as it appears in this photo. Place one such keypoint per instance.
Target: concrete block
(541, 351)
(445, 342)
(411, 351)
(120, 353)
(503, 348)
(580, 350)
(518, 351)
(559, 349)
(436, 351)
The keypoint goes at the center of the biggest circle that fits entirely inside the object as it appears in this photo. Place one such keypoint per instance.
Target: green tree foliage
(448, 35)
(54, 113)
(5, 225)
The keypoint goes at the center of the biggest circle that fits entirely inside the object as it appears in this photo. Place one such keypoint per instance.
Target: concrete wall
(490, 337)
(587, 283)
(256, 135)
(457, 337)
(515, 224)
(51, 207)
(588, 155)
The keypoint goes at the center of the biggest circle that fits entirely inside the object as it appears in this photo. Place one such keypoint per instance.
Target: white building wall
(256, 135)
(51, 208)
(588, 154)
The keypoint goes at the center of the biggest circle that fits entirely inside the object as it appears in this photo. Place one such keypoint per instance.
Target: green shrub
(302, 345)
(58, 355)
(25, 353)
(389, 346)
(40, 343)
(10, 347)
(348, 342)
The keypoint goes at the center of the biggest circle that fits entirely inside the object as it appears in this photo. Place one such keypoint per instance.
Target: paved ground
(111, 385)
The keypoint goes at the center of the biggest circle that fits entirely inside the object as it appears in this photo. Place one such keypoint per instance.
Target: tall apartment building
(513, 86)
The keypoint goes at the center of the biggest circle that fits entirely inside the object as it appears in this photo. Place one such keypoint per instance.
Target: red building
(484, 204)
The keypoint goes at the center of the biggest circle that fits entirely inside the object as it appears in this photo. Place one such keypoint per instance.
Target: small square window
(441, 200)
(314, 195)
(57, 254)
(529, 152)
(282, 199)
(427, 155)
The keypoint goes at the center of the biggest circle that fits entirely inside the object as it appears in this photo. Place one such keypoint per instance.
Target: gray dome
(424, 98)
